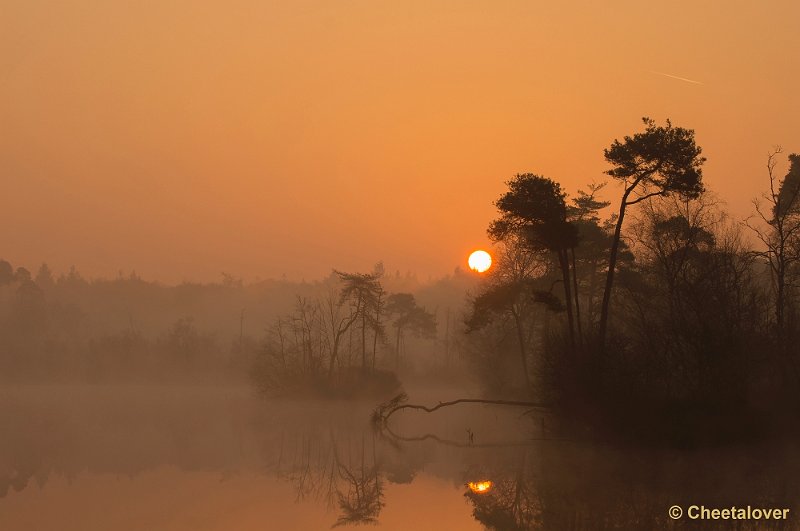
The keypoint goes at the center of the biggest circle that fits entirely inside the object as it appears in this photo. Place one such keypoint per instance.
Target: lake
(212, 458)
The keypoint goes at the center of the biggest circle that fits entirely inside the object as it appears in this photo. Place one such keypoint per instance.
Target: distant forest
(66, 328)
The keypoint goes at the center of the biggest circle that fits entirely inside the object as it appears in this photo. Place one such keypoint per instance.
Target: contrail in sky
(676, 77)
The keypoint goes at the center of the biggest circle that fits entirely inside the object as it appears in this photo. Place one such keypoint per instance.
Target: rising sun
(480, 261)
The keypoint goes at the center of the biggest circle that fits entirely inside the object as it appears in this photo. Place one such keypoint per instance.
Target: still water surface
(209, 458)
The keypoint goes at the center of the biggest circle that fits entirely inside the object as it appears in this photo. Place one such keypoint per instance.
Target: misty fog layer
(178, 457)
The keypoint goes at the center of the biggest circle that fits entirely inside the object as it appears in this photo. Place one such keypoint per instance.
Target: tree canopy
(659, 161)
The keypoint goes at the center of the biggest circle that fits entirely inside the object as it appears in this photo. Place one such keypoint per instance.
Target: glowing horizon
(270, 139)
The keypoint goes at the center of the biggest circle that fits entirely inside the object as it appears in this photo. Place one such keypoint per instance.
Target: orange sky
(262, 138)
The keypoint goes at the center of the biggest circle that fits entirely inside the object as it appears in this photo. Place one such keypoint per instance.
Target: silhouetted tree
(788, 202)
(660, 161)
(781, 235)
(378, 330)
(338, 319)
(363, 291)
(535, 208)
(583, 214)
(692, 303)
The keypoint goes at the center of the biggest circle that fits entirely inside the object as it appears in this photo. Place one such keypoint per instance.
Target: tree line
(662, 310)
(69, 328)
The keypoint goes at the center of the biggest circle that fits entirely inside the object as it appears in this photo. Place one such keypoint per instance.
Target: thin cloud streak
(677, 77)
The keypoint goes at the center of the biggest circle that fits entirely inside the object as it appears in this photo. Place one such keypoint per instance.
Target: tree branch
(386, 410)
(640, 199)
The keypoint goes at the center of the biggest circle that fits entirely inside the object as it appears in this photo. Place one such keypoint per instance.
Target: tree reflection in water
(342, 470)
(361, 500)
(331, 457)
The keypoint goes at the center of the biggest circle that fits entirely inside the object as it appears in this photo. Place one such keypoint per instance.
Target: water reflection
(480, 487)
(345, 473)
(361, 500)
(580, 486)
(480, 464)
(508, 501)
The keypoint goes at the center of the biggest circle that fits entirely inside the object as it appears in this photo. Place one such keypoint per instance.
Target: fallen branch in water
(387, 409)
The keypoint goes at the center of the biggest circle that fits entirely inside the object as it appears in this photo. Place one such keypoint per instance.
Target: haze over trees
(351, 317)
(409, 317)
(62, 327)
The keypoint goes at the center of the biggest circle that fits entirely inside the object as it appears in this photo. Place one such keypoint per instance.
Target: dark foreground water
(204, 458)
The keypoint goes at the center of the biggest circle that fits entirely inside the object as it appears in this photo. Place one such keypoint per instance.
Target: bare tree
(778, 211)
(338, 319)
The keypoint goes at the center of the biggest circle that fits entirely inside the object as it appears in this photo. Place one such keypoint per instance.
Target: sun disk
(480, 261)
